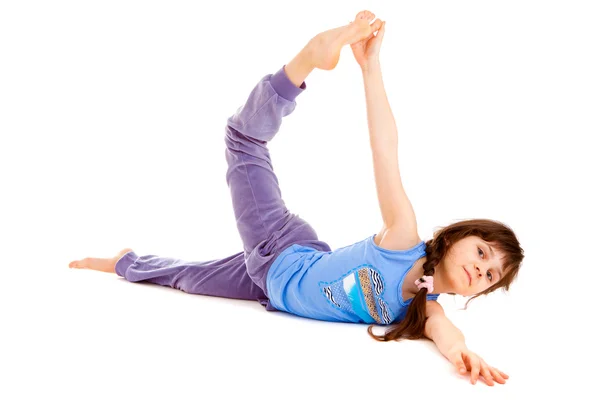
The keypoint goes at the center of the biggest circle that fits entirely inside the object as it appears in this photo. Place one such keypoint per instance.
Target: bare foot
(326, 46)
(99, 264)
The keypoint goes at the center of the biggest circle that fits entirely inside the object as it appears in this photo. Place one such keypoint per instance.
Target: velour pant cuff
(125, 262)
(284, 87)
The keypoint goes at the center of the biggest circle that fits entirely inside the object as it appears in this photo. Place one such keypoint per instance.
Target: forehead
(470, 239)
(473, 241)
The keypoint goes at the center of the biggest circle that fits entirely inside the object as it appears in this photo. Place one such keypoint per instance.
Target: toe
(365, 15)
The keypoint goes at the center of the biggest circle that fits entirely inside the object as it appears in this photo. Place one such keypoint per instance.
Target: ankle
(301, 66)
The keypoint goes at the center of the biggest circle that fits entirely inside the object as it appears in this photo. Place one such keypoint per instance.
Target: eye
(481, 252)
(490, 276)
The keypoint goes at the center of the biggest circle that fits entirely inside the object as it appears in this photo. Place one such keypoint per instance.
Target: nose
(478, 271)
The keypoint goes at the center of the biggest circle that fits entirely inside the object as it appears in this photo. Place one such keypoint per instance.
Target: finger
(460, 365)
(381, 30)
(502, 374)
(467, 362)
(485, 372)
(376, 25)
(475, 368)
(497, 377)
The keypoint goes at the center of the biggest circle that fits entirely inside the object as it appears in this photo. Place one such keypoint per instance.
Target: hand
(465, 360)
(367, 50)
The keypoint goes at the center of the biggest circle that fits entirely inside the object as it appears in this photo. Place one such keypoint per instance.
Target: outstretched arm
(451, 343)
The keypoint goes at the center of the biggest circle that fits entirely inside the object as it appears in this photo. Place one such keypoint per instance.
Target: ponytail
(413, 324)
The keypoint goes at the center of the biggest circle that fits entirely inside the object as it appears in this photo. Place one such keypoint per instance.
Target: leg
(255, 193)
(223, 278)
(260, 212)
(265, 225)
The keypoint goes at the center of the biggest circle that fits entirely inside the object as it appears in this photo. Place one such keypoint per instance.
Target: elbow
(431, 326)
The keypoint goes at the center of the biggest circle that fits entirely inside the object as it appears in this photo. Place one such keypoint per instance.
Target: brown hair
(494, 232)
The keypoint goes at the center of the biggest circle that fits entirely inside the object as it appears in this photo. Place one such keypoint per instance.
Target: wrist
(457, 346)
(370, 66)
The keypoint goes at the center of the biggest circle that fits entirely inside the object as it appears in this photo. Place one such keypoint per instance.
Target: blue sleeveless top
(360, 283)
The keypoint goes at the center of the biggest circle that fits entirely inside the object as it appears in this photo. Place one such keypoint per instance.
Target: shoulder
(396, 239)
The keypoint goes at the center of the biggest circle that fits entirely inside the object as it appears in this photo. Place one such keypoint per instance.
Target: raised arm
(396, 209)
(399, 223)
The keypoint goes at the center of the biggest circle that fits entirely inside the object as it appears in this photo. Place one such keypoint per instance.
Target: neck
(417, 271)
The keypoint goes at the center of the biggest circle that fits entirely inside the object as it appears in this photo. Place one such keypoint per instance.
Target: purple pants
(266, 226)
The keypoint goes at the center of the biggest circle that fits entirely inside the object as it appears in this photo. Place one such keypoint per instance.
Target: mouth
(468, 275)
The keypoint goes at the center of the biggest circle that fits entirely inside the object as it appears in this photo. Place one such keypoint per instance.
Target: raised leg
(255, 193)
(265, 224)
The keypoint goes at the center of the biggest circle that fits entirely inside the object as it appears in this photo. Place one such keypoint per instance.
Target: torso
(409, 290)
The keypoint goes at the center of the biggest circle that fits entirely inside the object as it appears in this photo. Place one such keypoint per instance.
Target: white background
(112, 119)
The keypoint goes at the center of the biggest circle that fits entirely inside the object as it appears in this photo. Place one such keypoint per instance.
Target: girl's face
(471, 266)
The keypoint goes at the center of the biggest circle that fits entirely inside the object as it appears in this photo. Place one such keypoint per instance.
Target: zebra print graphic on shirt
(384, 311)
(369, 305)
(329, 295)
(377, 281)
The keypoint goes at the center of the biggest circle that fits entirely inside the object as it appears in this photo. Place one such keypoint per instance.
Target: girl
(385, 279)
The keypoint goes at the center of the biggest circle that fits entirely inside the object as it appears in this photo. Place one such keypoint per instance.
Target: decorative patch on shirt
(359, 292)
